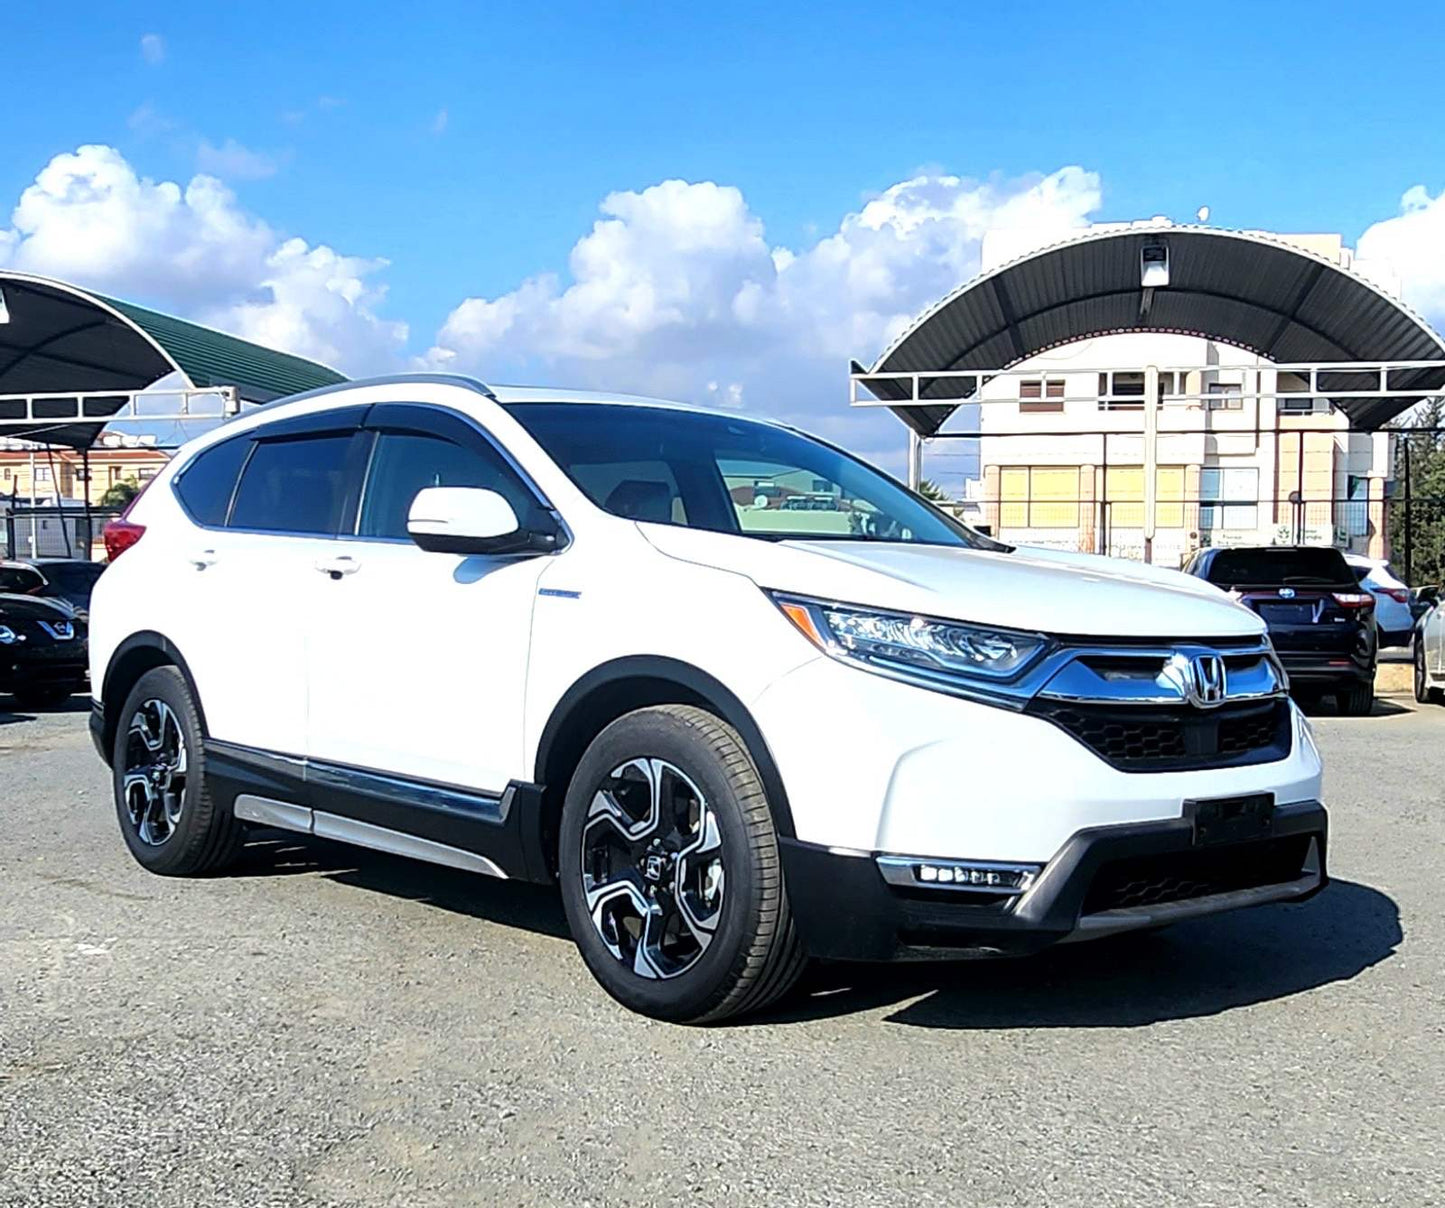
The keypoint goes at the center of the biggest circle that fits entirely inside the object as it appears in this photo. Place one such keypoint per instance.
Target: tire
(671, 763)
(168, 821)
(45, 696)
(1424, 693)
(1357, 700)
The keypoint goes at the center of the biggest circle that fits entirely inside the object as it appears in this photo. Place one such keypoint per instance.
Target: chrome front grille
(1171, 707)
(1174, 738)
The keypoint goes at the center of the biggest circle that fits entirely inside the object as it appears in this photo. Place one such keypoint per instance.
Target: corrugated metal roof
(61, 339)
(1238, 287)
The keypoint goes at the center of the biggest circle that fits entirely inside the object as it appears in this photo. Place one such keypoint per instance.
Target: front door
(418, 660)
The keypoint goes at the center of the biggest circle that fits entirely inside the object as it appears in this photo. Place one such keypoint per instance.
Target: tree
(1416, 521)
(118, 494)
(934, 493)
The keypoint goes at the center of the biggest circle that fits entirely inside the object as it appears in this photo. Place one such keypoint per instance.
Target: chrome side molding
(285, 815)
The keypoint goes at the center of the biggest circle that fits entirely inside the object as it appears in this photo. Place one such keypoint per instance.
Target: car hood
(1045, 590)
(32, 608)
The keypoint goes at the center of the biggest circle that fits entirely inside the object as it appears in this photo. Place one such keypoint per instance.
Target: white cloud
(192, 249)
(1413, 245)
(234, 162)
(677, 291)
(153, 49)
(439, 122)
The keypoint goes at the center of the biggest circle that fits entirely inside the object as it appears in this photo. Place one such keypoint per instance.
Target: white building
(1245, 454)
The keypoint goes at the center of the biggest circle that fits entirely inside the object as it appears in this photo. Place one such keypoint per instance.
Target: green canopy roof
(61, 340)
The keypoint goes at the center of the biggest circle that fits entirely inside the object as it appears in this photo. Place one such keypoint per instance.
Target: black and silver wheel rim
(1420, 680)
(652, 868)
(153, 782)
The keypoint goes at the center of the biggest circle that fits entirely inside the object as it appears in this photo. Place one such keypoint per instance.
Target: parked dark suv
(1320, 621)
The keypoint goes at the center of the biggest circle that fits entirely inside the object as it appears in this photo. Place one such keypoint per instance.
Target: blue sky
(470, 146)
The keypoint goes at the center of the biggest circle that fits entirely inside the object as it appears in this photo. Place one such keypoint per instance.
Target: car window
(74, 576)
(20, 580)
(1322, 567)
(404, 463)
(205, 486)
(293, 486)
(731, 475)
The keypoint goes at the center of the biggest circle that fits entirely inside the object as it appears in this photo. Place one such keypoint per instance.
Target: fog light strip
(970, 876)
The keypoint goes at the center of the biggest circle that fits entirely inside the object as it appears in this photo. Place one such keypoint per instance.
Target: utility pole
(1151, 457)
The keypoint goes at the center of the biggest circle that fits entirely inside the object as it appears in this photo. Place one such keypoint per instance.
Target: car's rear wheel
(166, 814)
(671, 877)
(1357, 700)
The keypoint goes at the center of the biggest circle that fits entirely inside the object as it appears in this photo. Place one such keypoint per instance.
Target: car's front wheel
(164, 807)
(671, 877)
(1424, 693)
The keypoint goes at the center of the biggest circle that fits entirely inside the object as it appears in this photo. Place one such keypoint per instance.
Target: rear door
(419, 659)
(251, 578)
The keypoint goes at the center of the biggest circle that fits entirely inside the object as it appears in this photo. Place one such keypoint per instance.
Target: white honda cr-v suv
(742, 696)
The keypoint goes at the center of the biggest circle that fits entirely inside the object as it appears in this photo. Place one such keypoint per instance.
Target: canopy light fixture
(1154, 266)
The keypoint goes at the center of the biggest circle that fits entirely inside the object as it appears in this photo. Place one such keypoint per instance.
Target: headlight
(7, 635)
(935, 653)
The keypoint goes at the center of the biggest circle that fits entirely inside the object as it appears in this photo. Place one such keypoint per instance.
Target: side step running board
(285, 816)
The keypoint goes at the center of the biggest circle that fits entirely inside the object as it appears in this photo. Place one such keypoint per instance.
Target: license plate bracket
(1231, 819)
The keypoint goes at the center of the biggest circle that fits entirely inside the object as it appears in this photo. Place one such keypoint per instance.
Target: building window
(1294, 404)
(1225, 396)
(1039, 497)
(114, 475)
(1041, 394)
(42, 473)
(1129, 387)
(1124, 495)
(1228, 498)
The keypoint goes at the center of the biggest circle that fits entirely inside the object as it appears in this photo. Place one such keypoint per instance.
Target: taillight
(121, 533)
(1354, 599)
(1401, 595)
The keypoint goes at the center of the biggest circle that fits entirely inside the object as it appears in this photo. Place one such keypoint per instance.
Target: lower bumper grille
(1136, 738)
(1179, 876)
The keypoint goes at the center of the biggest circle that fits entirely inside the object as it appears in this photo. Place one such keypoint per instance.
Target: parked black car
(1320, 620)
(71, 580)
(42, 650)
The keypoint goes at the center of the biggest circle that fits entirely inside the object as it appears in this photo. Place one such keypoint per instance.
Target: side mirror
(471, 520)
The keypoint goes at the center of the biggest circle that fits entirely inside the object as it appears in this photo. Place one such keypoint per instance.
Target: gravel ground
(335, 1028)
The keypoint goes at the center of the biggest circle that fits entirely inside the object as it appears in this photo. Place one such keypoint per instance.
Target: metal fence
(53, 532)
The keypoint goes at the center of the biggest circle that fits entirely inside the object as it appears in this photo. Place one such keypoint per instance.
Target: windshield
(74, 578)
(1320, 567)
(20, 580)
(731, 475)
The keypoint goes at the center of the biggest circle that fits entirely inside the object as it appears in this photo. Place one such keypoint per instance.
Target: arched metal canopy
(1247, 289)
(58, 340)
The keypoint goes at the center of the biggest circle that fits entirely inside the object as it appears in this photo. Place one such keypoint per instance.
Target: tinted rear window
(206, 484)
(293, 486)
(1276, 567)
(74, 576)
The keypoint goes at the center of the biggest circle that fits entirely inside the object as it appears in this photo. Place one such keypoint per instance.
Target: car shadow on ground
(1198, 968)
(1193, 969)
(509, 903)
(1381, 708)
(12, 711)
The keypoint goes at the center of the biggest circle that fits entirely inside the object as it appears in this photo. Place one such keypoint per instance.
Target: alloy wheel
(652, 868)
(154, 780)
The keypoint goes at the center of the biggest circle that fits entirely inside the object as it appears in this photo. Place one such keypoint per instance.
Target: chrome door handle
(336, 567)
(207, 557)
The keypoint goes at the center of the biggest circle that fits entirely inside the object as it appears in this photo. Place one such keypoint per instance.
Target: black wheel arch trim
(705, 688)
(104, 720)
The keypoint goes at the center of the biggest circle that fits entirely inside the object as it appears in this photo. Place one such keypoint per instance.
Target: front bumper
(1101, 882)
